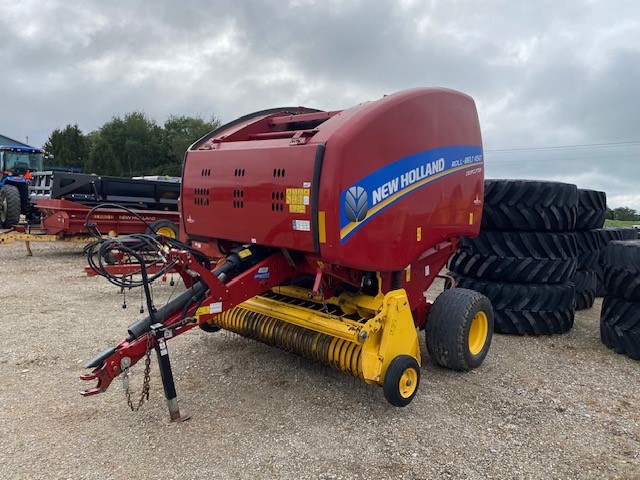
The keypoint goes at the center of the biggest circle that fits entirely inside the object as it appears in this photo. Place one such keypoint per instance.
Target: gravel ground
(550, 407)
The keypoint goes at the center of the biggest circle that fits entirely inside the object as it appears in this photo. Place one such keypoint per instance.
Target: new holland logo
(356, 204)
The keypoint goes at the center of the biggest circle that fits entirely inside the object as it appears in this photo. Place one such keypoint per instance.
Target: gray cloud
(543, 73)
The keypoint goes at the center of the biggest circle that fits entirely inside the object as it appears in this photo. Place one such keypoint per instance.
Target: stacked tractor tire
(620, 315)
(592, 209)
(607, 235)
(525, 258)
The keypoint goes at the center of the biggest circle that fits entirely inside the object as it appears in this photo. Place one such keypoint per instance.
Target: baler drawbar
(319, 233)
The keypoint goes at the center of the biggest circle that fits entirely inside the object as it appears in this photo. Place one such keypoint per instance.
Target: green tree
(609, 215)
(134, 146)
(102, 158)
(625, 213)
(179, 133)
(69, 147)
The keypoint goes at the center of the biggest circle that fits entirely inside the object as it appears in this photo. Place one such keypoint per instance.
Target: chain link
(144, 395)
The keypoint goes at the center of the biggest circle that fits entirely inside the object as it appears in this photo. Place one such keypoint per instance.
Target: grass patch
(621, 223)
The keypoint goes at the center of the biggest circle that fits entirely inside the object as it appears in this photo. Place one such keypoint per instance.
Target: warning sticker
(297, 209)
(302, 225)
(296, 196)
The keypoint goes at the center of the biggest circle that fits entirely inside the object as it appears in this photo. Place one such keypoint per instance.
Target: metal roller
(340, 354)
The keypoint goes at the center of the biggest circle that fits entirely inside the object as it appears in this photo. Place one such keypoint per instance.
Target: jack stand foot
(174, 413)
(167, 376)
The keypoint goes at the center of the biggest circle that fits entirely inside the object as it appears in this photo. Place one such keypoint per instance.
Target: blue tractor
(16, 164)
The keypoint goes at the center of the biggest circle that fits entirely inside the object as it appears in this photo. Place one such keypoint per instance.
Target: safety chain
(144, 395)
(322, 299)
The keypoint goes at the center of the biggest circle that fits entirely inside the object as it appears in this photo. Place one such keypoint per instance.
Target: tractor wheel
(620, 326)
(163, 227)
(536, 257)
(585, 282)
(529, 205)
(592, 209)
(621, 262)
(9, 206)
(589, 244)
(526, 308)
(459, 329)
(401, 380)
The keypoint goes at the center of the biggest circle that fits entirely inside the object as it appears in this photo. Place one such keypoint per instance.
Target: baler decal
(371, 195)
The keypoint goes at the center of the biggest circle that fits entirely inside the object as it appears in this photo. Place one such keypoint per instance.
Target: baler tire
(620, 326)
(526, 308)
(403, 369)
(592, 209)
(521, 257)
(9, 206)
(529, 205)
(459, 329)
(163, 227)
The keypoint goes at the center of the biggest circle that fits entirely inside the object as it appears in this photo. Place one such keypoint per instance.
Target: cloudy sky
(557, 83)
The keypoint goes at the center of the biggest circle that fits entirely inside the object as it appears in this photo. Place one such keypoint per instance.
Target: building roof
(8, 142)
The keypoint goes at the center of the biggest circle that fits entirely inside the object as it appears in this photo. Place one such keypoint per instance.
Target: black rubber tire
(585, 299)
(601, 291)
(585, 282)
(207, 327)
(160, 225)
(529, 205)
(620, 326)
(621, 282)
(628, 233)
(526, 308)
(623, 254)
(592, 209)
(392, 377)
(539, 257)
(589, 243)
(449, 325)
(9, 206)
(609, 234)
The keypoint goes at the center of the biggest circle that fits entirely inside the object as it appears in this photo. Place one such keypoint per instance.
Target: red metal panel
(250, 192)
(413, 122)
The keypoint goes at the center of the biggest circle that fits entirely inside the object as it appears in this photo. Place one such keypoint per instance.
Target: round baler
(326, 229)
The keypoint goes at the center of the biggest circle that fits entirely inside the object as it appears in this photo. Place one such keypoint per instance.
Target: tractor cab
(17, 161)
(16, 164)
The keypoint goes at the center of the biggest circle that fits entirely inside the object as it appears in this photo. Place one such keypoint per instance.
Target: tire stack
(592, 209)
(607, 235)
(620, 315)
(525, 257)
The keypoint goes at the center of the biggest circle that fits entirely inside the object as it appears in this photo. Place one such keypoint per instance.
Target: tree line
(622, 213)
(136, 145)
(129, 146)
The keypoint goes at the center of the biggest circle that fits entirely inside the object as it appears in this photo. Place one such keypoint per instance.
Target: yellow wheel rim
(167, 232)
(478, 333)
(408, 382)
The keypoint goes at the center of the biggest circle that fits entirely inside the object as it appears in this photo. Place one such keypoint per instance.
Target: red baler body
(282, 180)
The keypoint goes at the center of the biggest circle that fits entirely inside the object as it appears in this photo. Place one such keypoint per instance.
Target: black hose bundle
(145, 251)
